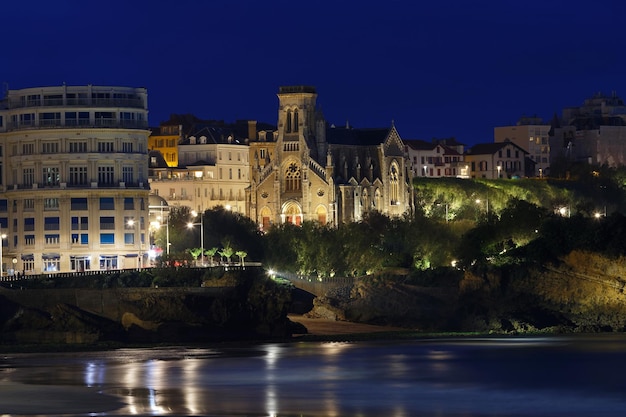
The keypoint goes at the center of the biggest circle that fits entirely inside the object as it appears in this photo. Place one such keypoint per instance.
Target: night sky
(438, 69)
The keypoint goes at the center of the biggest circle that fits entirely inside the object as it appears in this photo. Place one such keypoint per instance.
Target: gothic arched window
(393, 183)
(288, 122)
(295, 120)
(292, 178)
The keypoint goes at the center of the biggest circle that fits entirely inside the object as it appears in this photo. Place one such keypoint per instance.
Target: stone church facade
(309, 171)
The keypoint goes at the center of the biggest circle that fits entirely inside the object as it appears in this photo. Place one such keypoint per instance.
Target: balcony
(77, 123)
(135, 103)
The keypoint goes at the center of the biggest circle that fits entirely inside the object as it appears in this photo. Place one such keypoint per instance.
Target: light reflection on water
(470, 377)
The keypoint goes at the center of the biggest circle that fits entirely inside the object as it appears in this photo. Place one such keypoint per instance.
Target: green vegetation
(455, 224)
(460, 223)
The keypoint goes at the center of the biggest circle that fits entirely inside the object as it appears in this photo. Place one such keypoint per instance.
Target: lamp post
(2, 237)
(499, 169)
(201, 224)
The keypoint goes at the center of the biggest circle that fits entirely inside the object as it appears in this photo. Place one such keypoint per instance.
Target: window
(105, 147)
(29, 264)
(29, 240)
(288, 122)
(292, 178)
(51, 176)
(127, 147)
(52, 239)
(4, 205)
(80, 263)
(105, 175)
(129, 203)
(50, 203)
(107, 238)
(80, 223)
(51, 223)
(78, 176)
(393, 184)
(51, 263)
(28, 148)
(127, 174)
(80, 238)
(107, 203)
(29, 204)
(78, 203)
(107, 223)
(28, 176)
(129, 238)
(50, 147)
(78, 147)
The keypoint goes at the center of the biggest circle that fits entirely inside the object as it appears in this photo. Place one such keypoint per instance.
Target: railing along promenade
(98, 273)
(314, 285)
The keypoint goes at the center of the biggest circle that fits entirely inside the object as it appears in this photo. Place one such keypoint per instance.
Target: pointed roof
(491, 148)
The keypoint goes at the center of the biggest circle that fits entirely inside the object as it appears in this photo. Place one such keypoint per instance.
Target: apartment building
(532, 135)
(73, 179)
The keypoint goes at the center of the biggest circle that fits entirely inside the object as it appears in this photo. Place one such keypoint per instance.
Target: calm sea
(460, 377)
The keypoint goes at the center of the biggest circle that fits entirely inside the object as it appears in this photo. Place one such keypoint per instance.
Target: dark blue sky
(438, 69)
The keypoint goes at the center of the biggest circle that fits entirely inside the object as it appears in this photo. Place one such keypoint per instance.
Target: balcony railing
(135, 103)
(74, 123)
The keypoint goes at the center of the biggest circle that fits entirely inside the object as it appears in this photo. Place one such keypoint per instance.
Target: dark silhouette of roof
(356, 137)
(491, 148)
(157, 157)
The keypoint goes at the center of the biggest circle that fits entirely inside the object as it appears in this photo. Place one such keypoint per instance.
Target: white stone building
(73, 180)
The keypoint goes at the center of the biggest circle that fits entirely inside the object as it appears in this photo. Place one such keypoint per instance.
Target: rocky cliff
(239, 305)
(584, 292)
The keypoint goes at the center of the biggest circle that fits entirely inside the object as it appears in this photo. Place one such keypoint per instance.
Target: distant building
(213, 169)
(74, 178)
(532, 135)
(594, 132)
(436, 159)
(496, 160)
(307, 170)
(164, 139)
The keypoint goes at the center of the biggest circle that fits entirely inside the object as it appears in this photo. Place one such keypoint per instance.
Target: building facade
(74, 178)
(436, 159)
(594, 133)
(308, 171)
(211, 173)
(496, 160)
(532, 135)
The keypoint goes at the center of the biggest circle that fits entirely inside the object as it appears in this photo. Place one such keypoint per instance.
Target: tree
(242, 256)
(210, 253)
(195, 252)
(228, 250)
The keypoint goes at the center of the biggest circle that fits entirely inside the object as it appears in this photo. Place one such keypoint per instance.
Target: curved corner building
(73, 179)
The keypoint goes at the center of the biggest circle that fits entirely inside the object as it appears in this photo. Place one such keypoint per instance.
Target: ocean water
(440, 377)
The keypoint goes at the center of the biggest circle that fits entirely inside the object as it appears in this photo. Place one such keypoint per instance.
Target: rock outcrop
(240, 305)
(584, 292)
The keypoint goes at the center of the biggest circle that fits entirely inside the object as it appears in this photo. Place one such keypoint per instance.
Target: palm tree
(242, 256)
(195, 252)
(211, 253)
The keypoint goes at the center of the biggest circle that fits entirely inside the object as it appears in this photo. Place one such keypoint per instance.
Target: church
(307, 170)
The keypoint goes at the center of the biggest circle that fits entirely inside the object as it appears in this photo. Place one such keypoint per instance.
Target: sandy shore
(325, 327)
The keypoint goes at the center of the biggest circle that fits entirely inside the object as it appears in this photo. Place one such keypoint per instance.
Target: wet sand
(326, 327)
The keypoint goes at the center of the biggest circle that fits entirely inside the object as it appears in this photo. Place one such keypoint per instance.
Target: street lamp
(2, 237)
(201, 224)
(499, 169)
